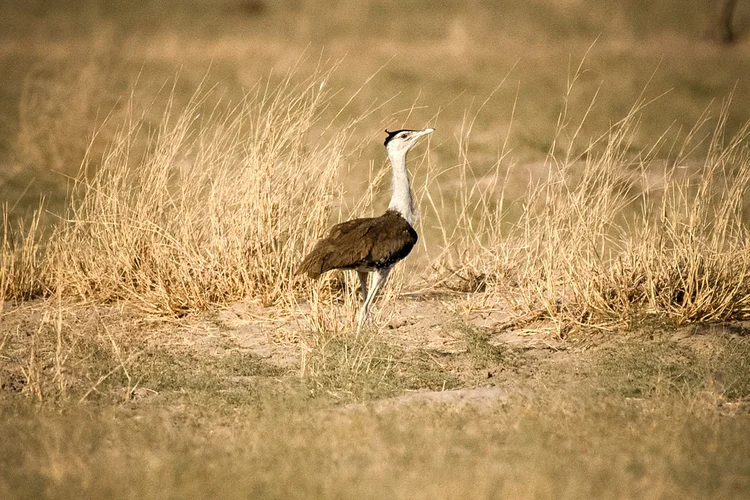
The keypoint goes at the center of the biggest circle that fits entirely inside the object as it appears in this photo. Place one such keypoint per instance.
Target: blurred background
(69, 70)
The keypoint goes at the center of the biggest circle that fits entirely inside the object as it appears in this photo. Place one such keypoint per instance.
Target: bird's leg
(363, 284)
(377, 282)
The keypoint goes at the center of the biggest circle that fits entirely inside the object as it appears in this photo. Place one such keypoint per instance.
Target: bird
(373, 244)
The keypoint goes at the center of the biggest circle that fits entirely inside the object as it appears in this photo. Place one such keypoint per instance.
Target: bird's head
(401, 141)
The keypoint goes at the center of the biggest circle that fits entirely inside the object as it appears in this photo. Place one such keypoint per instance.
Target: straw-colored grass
(193, 197)
(223, 200)
(219, 207)
(608, 235)
(23, 262)
(221, 204)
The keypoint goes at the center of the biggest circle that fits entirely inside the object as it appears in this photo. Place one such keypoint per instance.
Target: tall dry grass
(223, 200)
(609, 235)
(218, 207)
(24, 266)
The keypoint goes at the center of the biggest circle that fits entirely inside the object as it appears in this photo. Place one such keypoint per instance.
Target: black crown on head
(393, 134)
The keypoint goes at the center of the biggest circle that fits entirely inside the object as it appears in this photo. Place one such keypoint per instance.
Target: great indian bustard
(373, 244)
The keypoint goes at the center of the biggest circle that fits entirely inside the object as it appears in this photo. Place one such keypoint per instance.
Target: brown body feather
(362, 244)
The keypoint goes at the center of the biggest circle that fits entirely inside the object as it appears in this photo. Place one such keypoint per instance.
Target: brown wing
(368, 243)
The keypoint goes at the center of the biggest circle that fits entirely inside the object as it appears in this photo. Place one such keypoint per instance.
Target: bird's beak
(424, 132)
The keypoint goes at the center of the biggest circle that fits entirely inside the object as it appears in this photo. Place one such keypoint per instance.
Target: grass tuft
(219, 207)
(348, 366)
(24, 269)
(605, 233)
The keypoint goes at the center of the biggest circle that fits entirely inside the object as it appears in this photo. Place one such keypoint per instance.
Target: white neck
(401, 197)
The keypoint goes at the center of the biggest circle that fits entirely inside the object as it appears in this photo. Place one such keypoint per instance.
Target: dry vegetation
(610, 235)
(573, 323)
(224, 199)
(217, 209)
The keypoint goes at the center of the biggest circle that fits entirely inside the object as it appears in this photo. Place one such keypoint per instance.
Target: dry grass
(183, 213)
(218, 207)
(608, 234)
(622, 421)
(23, 260)
(195, 196)
(56, 354)
(222, 201)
